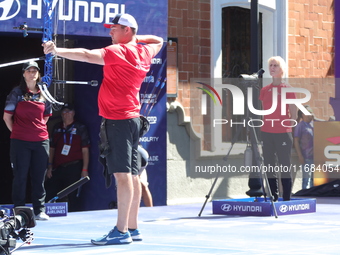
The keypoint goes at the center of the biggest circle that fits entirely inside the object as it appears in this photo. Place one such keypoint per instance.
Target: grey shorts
(123, 138)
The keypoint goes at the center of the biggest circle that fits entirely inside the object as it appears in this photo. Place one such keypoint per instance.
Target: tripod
(256, 151)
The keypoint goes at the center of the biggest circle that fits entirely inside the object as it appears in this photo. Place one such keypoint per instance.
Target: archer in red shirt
(125, 66)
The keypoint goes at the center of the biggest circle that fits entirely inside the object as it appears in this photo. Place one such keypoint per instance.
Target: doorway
(236, 54)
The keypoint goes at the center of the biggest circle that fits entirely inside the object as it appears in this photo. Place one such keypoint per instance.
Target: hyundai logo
(283, 208)
(226, 207)
(9, 9)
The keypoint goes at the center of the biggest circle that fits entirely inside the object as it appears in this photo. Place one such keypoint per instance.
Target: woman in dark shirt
(26, 114)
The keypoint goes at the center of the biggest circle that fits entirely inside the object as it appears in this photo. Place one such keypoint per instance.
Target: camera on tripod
(16, 227)
(252, 77)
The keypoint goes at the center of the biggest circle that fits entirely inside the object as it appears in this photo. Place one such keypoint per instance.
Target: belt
(70, 163)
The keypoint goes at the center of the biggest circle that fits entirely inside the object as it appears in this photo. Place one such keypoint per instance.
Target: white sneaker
(42, 216)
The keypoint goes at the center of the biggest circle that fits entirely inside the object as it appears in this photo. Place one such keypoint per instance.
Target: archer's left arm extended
(77, 54)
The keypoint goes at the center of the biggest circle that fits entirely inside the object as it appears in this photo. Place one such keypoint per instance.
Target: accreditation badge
(66, 149)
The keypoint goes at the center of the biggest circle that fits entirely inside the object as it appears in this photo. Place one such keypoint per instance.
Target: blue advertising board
(84, 17)
(261, 207)
(52, 209)
(153, 107)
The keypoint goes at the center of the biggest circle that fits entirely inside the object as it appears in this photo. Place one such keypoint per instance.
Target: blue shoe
(135, 235)
(113, 237)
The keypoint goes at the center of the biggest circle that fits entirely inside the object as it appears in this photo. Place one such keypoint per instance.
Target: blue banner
(153, 107)
(84, 17)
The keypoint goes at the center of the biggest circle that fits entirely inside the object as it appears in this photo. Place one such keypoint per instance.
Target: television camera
(16, 227)
(252, 77)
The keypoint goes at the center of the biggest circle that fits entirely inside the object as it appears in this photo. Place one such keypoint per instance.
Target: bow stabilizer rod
(21, 62)
(93, 83)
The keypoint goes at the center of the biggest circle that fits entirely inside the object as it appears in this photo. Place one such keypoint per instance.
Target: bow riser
(47, 36)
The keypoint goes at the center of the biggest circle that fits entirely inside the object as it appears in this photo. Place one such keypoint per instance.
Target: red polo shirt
(125, 68)
(273, 122)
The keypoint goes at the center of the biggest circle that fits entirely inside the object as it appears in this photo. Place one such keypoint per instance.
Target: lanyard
(71, 135)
